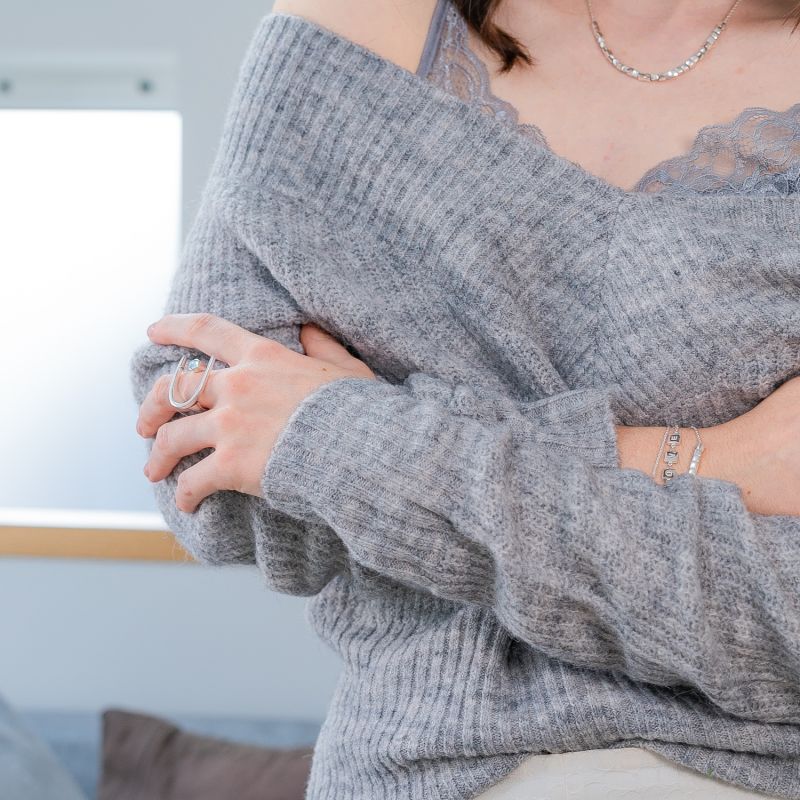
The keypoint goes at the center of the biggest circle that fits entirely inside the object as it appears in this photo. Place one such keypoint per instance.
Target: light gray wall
(168, 638)
(163, 638)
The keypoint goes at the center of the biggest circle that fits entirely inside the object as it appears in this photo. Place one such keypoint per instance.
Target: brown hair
(478, 14)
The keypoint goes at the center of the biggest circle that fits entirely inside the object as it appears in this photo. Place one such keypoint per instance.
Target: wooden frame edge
(93, 543)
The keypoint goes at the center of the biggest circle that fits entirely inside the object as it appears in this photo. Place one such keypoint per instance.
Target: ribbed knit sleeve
(219, 275)
(591, 563)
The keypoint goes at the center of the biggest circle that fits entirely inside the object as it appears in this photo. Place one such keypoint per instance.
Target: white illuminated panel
(89, 237)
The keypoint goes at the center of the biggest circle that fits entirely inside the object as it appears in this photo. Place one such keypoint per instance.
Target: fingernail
(146, 469)
(150, 329)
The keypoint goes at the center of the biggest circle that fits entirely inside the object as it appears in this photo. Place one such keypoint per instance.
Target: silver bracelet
(660, 451)
(671, 456)
(698, 451)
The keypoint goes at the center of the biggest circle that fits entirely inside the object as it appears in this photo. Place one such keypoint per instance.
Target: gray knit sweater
(495, 583)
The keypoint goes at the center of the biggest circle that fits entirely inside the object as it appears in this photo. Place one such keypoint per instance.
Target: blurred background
(110, 115)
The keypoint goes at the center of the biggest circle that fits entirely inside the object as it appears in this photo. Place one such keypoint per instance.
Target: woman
(535, 458)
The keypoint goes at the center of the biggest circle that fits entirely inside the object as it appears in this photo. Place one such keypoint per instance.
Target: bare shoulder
(394, 29)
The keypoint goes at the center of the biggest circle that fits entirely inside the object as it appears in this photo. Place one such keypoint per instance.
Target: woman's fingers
(319, 343)
(156, 408)
(197, 482)
(177, 439)
(206, 333)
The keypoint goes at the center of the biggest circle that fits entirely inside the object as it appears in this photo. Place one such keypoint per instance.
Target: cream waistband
(616, 774)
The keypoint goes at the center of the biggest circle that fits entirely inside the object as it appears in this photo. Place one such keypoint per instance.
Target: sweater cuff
(356, 447)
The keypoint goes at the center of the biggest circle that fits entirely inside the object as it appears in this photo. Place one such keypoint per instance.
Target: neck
(658, 12)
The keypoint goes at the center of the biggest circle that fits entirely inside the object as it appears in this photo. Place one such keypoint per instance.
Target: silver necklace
(642, 75)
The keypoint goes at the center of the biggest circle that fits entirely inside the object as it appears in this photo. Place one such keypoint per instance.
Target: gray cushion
(29, 770)
(148, 758)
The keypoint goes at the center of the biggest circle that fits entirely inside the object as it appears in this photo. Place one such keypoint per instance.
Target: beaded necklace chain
(642, 75)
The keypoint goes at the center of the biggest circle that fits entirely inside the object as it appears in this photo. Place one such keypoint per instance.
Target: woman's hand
(760, 450)
(248, 404)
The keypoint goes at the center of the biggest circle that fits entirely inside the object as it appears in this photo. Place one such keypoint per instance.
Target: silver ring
(194, 365)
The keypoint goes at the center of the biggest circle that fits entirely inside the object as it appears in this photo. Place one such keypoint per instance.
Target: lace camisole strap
(432, 39)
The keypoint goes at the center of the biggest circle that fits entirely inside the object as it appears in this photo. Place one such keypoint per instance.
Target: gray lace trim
(758, 152)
